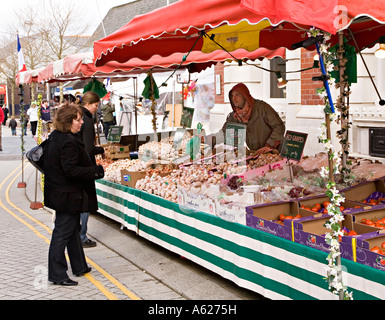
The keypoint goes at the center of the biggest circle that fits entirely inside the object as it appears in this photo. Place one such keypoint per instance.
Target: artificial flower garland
(334, 272)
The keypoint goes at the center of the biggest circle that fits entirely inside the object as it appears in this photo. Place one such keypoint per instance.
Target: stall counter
(274, 267)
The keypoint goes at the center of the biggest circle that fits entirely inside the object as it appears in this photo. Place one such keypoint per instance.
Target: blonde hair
(89, 97)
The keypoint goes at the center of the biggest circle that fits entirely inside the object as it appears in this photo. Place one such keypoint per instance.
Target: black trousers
(65, 235)
(33, 127)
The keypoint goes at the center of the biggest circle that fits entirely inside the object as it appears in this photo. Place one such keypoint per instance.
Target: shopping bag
(36, 156)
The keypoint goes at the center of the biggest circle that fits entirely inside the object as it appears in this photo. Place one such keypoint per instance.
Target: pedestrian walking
(24, 123)
(69, 175)
(5, 111)
(33, 118)
(13, 124)
(1, 121)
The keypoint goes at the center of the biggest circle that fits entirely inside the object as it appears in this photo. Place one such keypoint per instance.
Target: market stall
(240, 228)
(227, 25)
(270, 265)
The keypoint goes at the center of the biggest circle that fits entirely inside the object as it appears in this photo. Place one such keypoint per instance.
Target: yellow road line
(95, 282)
(100, 286)
(113, 280)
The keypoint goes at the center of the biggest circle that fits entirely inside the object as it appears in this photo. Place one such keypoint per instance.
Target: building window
(277, 64)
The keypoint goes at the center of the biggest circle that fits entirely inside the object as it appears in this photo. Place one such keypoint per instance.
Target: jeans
(83, 226)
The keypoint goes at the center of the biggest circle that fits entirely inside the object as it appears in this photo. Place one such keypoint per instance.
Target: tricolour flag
(20, 56)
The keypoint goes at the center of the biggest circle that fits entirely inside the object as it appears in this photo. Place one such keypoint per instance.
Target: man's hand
(263, 150)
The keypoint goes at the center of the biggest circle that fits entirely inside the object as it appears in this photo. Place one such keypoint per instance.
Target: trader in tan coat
(264, 128)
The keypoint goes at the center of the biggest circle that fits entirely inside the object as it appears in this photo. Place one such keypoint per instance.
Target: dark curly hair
(65, 115)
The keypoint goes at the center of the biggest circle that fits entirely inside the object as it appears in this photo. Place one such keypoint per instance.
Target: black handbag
(36, 156)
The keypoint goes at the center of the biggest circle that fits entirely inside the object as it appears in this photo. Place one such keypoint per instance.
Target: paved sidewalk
(147, 270)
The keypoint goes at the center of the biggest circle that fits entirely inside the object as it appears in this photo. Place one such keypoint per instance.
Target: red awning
(81, 65)
(178, 26)
(69, 68)
(195, 61)
(78, 66)
(328, 15)
(27, 77)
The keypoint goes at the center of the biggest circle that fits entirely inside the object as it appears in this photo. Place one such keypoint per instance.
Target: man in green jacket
(264, 128)
(108, 117)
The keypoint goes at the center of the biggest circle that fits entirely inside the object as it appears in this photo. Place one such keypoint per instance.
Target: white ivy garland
(334, 272)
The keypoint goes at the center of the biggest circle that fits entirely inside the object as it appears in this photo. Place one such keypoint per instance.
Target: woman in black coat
(90, 104)
(69, 172)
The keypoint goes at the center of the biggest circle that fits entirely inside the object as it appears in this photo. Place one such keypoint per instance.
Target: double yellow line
(89, 276)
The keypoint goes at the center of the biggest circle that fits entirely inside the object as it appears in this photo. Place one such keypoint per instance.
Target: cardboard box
(129, 178)
(367, 190)
(363, 254)
(310, 231)
(375, 260)
(350, 206)
(375, 212)
(263, 217)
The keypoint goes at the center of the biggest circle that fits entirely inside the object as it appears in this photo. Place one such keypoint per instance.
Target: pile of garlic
(158, 185)
(159, 150)
(112, 172)
(263, 159)
(165, 187)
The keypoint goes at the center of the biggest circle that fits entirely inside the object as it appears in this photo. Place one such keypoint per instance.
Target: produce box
(129, 178)
(368, 248)
(370, 217)
(310, 231)
(266, 217)
(372, 192)
(373, 251)
(117, 152)
(319, 202)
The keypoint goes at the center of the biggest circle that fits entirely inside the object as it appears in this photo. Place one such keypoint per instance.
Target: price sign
(115, 133)
(186, 118)
(293, 145)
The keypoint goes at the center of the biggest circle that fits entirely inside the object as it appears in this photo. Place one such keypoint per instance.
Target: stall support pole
(173, 104)
(343, 100)
(22, 184)
(153, 111)
(328, 135)
(136, 111)
(35, 204)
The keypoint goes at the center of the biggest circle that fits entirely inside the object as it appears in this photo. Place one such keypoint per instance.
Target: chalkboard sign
(293, 145)
(115, 133)
(186, 117)
(235, 134)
